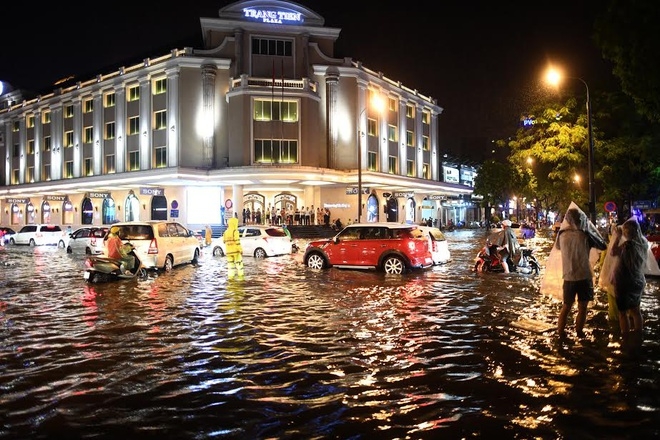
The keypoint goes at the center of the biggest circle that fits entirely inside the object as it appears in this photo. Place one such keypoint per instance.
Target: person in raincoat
(208, 235)
(507, 244)
(628, 275)
(574, 240)
(234, 250)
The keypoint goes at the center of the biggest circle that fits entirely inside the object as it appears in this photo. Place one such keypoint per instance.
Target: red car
(393, 248)
(654, 239)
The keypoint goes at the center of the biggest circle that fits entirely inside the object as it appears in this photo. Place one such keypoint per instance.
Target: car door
(372, 243)
(78, 241)
(249, 239)
(346, 251)
(25, 234)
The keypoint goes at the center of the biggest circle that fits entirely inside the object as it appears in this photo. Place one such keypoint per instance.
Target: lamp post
(553, 77)
(359, 165)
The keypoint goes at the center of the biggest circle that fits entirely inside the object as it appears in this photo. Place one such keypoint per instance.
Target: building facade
(263, 118)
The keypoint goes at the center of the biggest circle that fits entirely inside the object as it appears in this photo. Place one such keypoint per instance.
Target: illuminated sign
(145, 191)
(273, 16)
(353, 190)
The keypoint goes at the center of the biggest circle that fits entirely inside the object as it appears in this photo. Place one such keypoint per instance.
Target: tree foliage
(627, 33)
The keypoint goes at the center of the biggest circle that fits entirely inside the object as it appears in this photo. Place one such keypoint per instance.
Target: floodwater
(291, 353)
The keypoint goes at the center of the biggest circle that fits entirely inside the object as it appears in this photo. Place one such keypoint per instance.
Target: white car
(7, 234)
(40, 234)
(258, 241)
(437, 244)
(87, 240)
(159, 244)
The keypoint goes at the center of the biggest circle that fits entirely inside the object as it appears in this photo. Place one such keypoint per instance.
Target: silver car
(87, 240)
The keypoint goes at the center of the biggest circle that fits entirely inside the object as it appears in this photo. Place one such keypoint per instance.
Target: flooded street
(294, 353)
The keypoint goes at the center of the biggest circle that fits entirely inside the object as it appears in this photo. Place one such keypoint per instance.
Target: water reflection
(294, 353)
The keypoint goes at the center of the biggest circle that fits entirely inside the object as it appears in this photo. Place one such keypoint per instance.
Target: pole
(592, 196)
(359, 165)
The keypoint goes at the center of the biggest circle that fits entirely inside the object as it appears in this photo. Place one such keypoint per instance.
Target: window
(392, 104)
(160, 120)
(68, 169)
(109, 99)
(133, 93)
(276, 151)
(68, 111)
(372, 161)
(266, 110)
(134, 125)
(391, 133)
(30, 175)
(372, 127)
(30, 121)
(410, 111)
(89, 170)
(16, 127)
(160, 86)
(410, 138)
(47, 143)
(410, 168)
(17, 150)
(14, 176)
(45, 117)
(392, 164)
(68, 139)
(266, 46)
(88, 134)
(160, 157)
(46, 173)
(110, 164)
(88, 105)
(30, 146)
(110, 130)
(426, 117)
(133, 161)
(425, 143)
(426, 171)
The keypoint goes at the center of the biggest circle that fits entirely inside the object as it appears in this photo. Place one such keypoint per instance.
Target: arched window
(158, 208)
(108, 212)
(132, 208)
(87, 210)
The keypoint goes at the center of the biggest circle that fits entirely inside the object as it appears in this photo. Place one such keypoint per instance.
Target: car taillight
(153, 247)
(92, 241)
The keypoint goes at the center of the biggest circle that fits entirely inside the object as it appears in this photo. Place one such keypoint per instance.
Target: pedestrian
(234, 250)
(628, 277)
(575, 238)
(208, 235)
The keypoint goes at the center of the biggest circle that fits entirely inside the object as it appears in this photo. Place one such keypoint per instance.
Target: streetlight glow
(554, 76)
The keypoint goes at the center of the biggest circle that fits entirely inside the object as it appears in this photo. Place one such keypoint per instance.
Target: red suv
(393, 248)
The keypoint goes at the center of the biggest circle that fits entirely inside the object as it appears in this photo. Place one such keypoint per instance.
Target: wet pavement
(294, 353)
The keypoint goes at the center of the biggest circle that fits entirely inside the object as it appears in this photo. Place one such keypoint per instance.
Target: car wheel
(142, 274)
(32, 243)
(88, 251)
(260, 253)
(70, 251)
(169, 264)
(195, 259)
(11, 241)
(61, 244)
(217, 252)
(394, 265)
(315, 261)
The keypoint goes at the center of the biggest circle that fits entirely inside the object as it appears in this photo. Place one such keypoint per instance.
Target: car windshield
(133, 232)
(436, 234)
(276, 232)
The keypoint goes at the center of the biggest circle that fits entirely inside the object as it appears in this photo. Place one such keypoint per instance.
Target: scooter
(489, 260)
(101, 269)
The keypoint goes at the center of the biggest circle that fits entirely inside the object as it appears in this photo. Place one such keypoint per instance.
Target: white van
(158, 244)
(40, 234)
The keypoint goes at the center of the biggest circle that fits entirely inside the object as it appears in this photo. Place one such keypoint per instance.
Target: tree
(627, 35)
(495, 182)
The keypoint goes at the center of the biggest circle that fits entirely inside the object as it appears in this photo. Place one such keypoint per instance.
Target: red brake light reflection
(153, 247)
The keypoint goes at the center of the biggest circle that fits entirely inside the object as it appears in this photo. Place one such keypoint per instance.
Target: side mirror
(335, 239)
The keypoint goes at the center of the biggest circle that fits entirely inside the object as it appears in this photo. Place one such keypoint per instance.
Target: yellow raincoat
(234, 251)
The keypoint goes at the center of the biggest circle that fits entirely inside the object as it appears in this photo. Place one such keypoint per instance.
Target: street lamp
(377, 103)
(553, 77)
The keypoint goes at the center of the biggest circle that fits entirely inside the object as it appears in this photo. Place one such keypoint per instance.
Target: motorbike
(101, 269)
(489, 260)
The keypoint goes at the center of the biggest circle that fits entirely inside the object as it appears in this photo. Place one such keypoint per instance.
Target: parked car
(7, 234)
(393, 248)
(437, 244)
(40, 234)
(87, 240)
(654, 240)
(159, 244)
(259, 241)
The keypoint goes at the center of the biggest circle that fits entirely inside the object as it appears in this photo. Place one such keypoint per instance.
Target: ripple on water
(290, 352)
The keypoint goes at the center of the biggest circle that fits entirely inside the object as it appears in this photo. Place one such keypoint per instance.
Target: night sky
(481, 60)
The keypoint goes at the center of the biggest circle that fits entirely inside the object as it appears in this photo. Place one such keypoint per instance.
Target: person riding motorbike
(120, 251)
(508, 245)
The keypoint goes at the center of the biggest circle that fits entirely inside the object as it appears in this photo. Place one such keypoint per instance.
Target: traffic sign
(610, 206)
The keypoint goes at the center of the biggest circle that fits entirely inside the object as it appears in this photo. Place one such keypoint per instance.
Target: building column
(331, 82)
(208, 108)
(173, 119)
(146, 126)
(238, 41)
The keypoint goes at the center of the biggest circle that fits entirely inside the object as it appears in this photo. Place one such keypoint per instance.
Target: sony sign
(273, 16)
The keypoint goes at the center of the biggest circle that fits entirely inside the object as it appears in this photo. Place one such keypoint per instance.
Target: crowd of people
(299, 216)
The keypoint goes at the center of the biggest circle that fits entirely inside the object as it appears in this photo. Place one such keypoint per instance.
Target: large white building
(262, 116)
